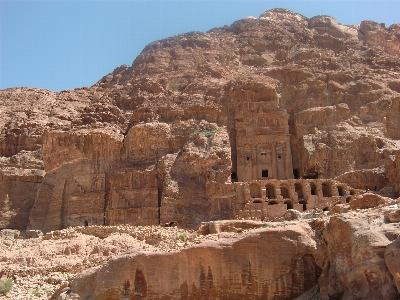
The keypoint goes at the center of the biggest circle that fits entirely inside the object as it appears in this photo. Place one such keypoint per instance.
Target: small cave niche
(270, 191)
(325, 209)
(310, 174)
(379, 143)
(341, 191)
(299, 190)
(304, 205)
(255, 190)
(313, 188)
(289, 204)
(264, 173)
(348, 199)
(234, 176)
(284, 192)
(296, 174)
(273, 202)
(325, 190)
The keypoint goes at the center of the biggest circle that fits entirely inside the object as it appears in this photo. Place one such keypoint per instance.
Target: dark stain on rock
(140, 286)
(184, 289)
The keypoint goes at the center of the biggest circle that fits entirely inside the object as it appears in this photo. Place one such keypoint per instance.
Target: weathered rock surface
(278, 97)
(258, 264)
(359, 264)
(347, 256)
(353, 255)
(245, 121)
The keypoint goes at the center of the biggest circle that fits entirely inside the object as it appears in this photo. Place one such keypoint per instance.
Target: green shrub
(174, 86)
(5, 285)
(36, 294)
(182, 236)
(207, 133)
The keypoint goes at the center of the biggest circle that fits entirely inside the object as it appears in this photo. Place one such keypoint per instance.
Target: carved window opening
(284, 192)
(264, 173)
(86, 223)
(263, 153)
(326, 208)
(299, 190)
(304, 205)
(279, 156)
(255, 190)
(313, 189)
(272, 202)
(289, 204)
(233, 176)
(270, 191)
(325, 190)
(296, 174)
(247, 158)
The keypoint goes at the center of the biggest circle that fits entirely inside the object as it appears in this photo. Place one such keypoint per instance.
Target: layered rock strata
(279, 97)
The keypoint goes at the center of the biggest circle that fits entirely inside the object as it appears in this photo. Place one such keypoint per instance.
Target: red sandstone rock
(255, 264)
(355, 267)
(368, 200)
(394, 216)
(392, 259)
(277, 97)
(244, 121)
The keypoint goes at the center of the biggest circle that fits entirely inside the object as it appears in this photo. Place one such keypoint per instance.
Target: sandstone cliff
(347, 256)
(275, 97)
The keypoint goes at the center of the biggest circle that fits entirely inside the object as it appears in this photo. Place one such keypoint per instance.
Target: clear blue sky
(61, 45)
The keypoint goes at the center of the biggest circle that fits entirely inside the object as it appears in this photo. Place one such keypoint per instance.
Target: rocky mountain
(241, 122)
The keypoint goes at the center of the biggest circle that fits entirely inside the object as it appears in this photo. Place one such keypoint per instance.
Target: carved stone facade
(133, 198)
(268, 199)
(262, 139)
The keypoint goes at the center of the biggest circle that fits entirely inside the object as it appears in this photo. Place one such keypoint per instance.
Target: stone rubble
(40, 266)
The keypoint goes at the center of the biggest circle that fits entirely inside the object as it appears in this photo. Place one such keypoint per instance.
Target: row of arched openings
(255, 190)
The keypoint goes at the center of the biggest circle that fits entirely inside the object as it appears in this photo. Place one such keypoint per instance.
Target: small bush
(174, 86)
(207, 133)
(36, 294)
(5, 285)
(182, 236)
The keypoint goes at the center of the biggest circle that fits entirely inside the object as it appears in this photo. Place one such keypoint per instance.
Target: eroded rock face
(224, 269)
(276, 97)
(360, 262)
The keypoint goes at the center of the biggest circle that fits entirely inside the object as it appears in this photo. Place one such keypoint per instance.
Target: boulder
(368, 200)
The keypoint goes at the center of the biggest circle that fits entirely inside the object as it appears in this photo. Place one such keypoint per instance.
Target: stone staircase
(77, 187)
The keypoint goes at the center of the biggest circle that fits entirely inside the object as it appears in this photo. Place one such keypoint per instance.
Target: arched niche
(299, 190)
(313, 188)
(341, 190)
(325, 190)
(289, 204)
(304, 204)
(270, 191)
(284, 191)
(255, 190)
